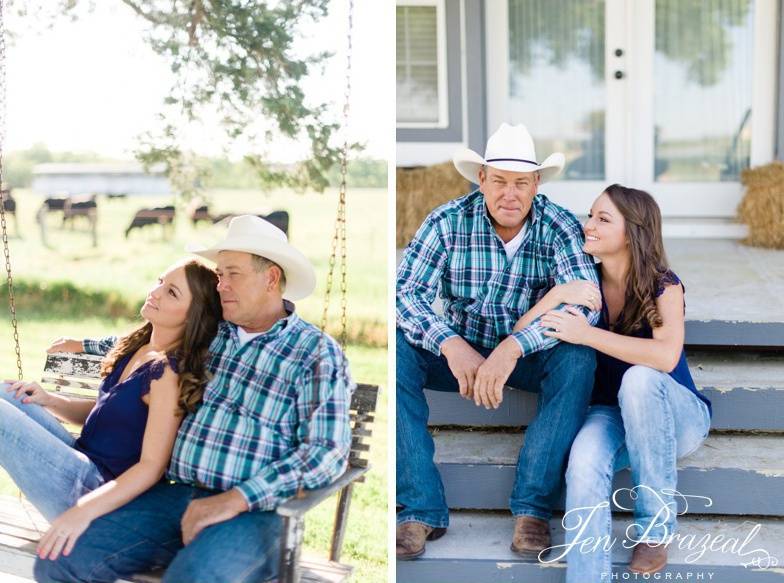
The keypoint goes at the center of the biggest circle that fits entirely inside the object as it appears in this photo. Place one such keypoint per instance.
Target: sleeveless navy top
(610, 370)
(113, 432)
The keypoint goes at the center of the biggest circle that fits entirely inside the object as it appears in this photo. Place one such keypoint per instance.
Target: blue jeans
(656, 422)
(145, 534)
(37, 452)
(563, 378)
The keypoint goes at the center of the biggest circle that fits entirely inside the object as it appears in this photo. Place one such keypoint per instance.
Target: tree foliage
(236, 59)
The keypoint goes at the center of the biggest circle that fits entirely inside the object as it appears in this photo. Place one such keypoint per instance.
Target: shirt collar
(277, 329)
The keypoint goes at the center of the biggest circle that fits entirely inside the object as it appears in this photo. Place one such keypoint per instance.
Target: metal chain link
(3, 225)
(339, 235)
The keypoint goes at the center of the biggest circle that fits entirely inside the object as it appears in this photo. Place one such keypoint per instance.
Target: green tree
(237, 58)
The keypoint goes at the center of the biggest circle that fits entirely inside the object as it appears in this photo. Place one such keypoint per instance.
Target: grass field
(73, 289)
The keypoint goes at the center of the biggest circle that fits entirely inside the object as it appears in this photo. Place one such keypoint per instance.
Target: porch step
(742, 474)
(476, 550)
(746, 391)
(734, 333)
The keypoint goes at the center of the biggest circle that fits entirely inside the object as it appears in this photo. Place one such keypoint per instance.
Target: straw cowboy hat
(253, 234)
(509, 148)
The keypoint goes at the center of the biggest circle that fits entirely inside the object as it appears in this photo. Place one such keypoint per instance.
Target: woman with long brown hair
(645, 411)
(151, 378)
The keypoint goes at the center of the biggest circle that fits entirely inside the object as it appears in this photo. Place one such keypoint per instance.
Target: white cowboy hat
(253, 234)
(509, 148)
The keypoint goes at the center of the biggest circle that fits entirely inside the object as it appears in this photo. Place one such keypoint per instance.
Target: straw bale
(420, 190)
(762, 207)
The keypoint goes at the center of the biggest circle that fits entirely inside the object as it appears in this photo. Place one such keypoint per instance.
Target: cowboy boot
(648, 558)
(531, 537)
(411, 537)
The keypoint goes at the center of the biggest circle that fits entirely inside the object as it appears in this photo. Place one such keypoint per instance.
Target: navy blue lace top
(113, 432)
(610, 370)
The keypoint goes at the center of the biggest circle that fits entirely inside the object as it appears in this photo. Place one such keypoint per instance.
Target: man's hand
(66, 345)
(463, 361)
(204, 512)
(494, 372)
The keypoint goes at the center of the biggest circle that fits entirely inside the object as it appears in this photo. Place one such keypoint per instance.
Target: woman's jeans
(37, 452)
(657, 422)
(563, 378)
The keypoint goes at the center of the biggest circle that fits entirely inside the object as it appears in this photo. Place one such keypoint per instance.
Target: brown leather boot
(411, 537)
(531, 537)
(648, 558)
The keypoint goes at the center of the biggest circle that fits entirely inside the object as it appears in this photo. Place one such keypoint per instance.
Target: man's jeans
(38, 454)
(563, 378)
(657, 422)
(145, 534)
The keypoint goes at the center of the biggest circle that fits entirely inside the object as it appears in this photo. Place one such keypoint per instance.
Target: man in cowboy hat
(493, 253)
(274, 418)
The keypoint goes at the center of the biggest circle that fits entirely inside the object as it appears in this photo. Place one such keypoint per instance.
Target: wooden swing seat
(77, 375)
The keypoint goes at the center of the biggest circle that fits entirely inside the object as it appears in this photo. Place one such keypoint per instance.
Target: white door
(672, 96)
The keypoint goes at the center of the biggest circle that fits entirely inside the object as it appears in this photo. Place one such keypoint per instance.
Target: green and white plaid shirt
(458, 253)
(275, 414)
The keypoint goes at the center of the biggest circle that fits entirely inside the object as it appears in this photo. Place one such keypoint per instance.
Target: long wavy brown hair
(190, 354)
(648, 261)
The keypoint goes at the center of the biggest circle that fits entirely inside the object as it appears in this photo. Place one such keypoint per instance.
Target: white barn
(116, 179)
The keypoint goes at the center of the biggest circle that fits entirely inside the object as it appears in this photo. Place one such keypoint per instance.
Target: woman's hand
(581, 293)
(66, 345)
(63, 533)
(29, 392)
(569, 325)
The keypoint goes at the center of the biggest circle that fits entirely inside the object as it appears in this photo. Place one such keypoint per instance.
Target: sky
(94, 84)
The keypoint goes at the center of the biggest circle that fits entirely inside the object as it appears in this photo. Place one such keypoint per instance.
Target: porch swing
(78, 375)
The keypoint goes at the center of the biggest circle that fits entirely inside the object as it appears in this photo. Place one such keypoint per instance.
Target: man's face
(508, 195)
(243, 290)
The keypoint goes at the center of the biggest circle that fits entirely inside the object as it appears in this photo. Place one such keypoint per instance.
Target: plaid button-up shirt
(457, 251)
(275, 414)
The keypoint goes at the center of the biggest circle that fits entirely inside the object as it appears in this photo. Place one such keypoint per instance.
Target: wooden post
(92, 217)
(41, 216)
(341, 518)
(291, 541)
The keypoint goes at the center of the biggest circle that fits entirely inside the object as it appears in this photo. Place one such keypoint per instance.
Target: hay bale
(762, 207)
(420, 190)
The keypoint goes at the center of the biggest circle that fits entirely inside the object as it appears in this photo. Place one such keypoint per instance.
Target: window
(421, 64)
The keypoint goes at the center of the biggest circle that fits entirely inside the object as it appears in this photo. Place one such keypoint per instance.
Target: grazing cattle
(163, 216)
(84, 206)
(198, 211)
(278, 218)
(71, 207)
(9, 205)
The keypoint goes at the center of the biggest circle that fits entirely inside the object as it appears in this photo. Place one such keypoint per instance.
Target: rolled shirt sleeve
(324, 437)
(418, 278)
(571, 263)
(99, 346)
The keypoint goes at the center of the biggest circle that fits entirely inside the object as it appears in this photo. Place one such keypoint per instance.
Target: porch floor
(728, 281)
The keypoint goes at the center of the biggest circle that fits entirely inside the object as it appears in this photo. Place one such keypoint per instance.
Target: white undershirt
(514, 243)
(246, 337)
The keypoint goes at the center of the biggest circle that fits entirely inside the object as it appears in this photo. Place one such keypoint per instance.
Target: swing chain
(339, 236)
(3, 224)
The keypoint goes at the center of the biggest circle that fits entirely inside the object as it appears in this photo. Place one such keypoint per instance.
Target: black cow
(163, 215)
(278, 218)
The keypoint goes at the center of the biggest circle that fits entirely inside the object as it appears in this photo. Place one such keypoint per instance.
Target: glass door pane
(702, 69)
(556, 81)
